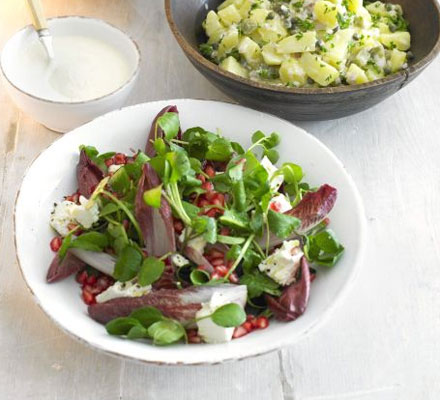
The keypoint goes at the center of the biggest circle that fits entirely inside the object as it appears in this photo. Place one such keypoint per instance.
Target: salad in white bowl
(192, 238)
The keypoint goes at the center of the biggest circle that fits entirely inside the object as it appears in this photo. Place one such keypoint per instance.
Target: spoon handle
(38, 17)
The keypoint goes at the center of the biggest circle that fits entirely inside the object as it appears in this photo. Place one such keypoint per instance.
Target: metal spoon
(40, 24)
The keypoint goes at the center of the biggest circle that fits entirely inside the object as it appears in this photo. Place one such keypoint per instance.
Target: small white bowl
(63, 116)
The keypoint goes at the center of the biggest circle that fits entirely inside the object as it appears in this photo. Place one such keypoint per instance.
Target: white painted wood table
(382, 343)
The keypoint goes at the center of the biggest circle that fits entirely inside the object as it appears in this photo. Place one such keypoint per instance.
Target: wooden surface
(382, 342)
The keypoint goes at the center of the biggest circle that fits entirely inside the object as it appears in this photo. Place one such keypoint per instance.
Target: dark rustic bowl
(185, 19)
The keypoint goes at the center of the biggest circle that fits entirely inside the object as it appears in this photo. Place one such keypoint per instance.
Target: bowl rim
(396, 77)
(358, 261)
(132, 77)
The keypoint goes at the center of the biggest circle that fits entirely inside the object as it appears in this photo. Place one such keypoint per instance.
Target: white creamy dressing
(83, 69)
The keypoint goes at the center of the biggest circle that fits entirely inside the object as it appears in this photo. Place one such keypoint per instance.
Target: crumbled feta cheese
(67, 212)
(114, 167)
(178, 260)
(208, 330)
(283, 264)
(276, 182)
(62, 216)
(123, 289)
(87, 213)
(280, 204)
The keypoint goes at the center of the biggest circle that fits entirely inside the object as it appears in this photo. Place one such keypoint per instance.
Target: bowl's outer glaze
(185, 19)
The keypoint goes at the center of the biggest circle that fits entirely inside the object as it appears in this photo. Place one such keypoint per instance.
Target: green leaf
(65, 246)
(239, 195)
(257, 136)
(235, 172)
(153, 196)
(229, 316)
(251, 260)
(121, 326)
(230, 239)
(207, 227)
(237, 148)
(258, 283)
(108, 209)
(282, 225)
(180, 165)
(191, 210)
(92, 241)
(166, 332)
(323, 248)
(272, 155)
(234, 219)
(292, 172)
(93, 154)
(118, 233)
(135, 169)
(198, 142)
(160, 146)
(219, 150)
(120, 181)
(128, 264)
(199, 277)
(170, 124)
(137, 332)
(147, 316)
(256, 223)
(234, 252)
(151, 270)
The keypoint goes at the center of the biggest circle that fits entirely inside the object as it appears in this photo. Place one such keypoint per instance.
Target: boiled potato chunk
(250, 50)
(354, 5)
(270, 55)
(397, 59)
(298, 43)
(229, 42)
(337, 48)
(291, 72)
(399, 40)
(373, 74)
(236, 3)
(245, 8)
(259, 15)
(363, 18)
(318, 70)
(356, 75)
(212, 24)
(229, 15)
(232, 65)
(326, 13)
(272, 30)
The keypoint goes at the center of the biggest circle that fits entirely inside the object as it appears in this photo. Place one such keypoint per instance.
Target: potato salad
(308, 43)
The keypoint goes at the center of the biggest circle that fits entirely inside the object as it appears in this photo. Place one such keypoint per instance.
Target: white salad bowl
(62, 116)
(52, 175)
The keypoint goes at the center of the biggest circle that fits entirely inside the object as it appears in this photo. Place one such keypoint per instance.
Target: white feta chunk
(276, 182)
(280, 203)
(123, 289)
(62, 216)
(178, 260)
(207, 329)
(283, 264)
(87, 213)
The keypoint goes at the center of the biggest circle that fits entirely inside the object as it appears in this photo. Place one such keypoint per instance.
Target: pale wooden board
(382, 343)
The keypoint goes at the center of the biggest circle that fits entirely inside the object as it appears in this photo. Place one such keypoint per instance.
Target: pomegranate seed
(88, 297)
(221, 270)
(120, 158)
(203, 268)
(230, 263)
(73, 198)
(262, 322)
(91, 280)
(126, 224)
(233, 278)
(213, 212)
(203, 202)
(92, 289)
(192, 332)
(178, 226)
(71, 226)
(275, 206)
(210, 171)
(239, 332)
(56, 243)
(249, 317)
(217, 261)
(248, 326)
(81, 277)
(201, 178)
(208, 186)
(225, 231)
(216, 275)
(326, 221)
(104, 282)
(219, 199)
(109, 162)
